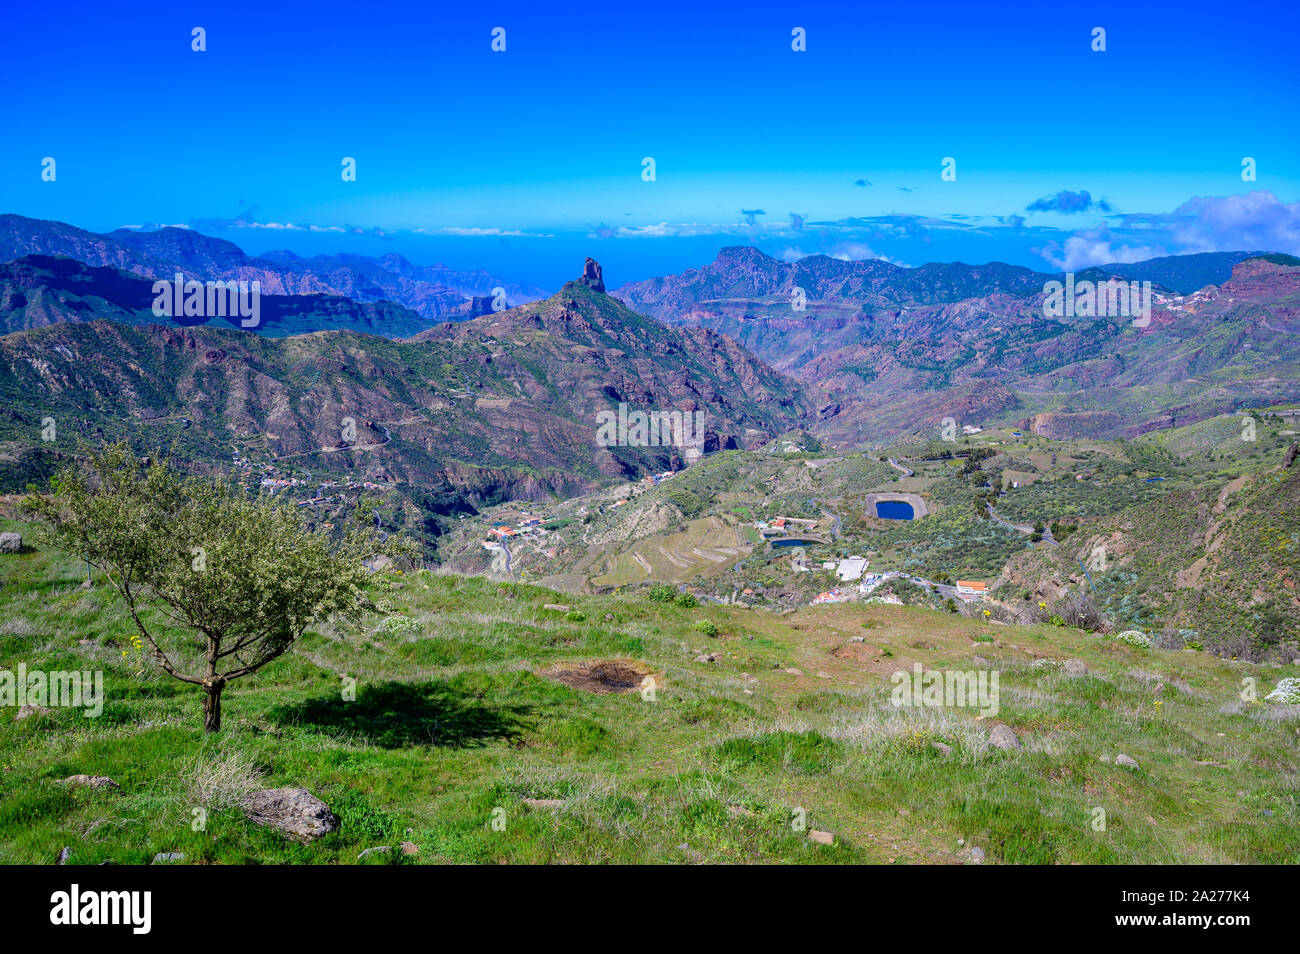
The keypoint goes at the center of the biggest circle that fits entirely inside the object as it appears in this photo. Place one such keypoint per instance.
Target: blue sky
(519, 161)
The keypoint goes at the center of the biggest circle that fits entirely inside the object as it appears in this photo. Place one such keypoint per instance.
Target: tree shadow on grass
(392, 715)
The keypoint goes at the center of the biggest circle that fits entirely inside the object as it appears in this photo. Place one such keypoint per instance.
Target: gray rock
(90, 781)
(167, 857)
(11, 543)
(1126, 761)
(295, 812)
(1076, 667)
(977, 855)
(1003, 737)
(64, 855)
(941, 748)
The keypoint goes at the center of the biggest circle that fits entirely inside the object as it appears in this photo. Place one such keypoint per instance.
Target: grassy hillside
(458, 714)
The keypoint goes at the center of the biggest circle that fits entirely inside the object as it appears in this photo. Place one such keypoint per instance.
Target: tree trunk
(212, 707)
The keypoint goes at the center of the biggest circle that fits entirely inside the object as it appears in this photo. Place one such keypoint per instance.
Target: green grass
(454, 725)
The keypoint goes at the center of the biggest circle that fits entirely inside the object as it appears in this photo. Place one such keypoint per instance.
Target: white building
(851, 569)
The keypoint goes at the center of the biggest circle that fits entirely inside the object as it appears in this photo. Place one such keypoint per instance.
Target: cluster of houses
(780, 526)
(283, 482)
(654, 480)
(969, 591)
(527, 526)
(1192, 303)
(847, 569)
(872, 581)
(276, 482)
(832, 596)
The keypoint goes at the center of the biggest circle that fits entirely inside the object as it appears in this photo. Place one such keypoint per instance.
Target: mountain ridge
(434, 292)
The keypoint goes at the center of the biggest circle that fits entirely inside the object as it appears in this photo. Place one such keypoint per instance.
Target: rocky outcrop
(591, 275)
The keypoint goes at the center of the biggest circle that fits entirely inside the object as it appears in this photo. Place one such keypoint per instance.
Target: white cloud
(1094, 247)
(473, 232)
(1256, 221)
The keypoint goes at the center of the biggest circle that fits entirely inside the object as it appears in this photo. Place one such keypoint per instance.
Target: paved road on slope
(505, 548)
(838, 522)
(1023, 528)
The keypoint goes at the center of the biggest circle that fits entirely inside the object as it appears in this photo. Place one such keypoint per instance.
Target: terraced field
(707, 546)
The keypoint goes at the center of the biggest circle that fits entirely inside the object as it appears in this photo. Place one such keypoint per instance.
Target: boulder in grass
(295, 812)
(1004, 737)
(1076, 667)
(1126, 760)
(11, 543)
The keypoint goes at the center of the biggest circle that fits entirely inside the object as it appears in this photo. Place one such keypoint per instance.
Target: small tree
(241, 572)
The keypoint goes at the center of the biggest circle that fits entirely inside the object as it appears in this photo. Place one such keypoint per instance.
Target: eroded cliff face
(503, 406)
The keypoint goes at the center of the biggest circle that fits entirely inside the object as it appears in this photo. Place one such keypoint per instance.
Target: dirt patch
(863, 652)
(605, 675)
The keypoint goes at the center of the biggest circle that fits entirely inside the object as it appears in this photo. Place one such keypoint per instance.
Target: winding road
(1022, 528)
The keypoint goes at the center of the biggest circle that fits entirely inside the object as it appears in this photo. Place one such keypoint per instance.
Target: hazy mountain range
(433, 292)
(505, 403)
(898, 350)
